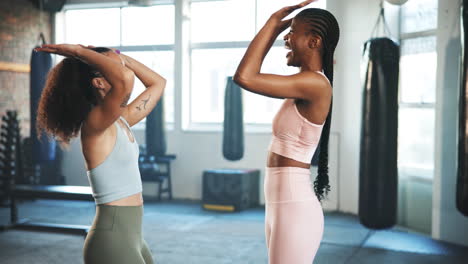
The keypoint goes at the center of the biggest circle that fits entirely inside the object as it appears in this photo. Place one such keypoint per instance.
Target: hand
(279, 15)
(67, 50)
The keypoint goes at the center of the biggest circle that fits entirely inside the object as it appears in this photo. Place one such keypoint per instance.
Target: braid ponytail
(323, 24)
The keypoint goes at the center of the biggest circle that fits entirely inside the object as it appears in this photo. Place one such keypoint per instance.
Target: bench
(152, 172)
(54, 192)
(11, 166)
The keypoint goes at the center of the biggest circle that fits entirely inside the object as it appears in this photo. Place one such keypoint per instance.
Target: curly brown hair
(67, 99)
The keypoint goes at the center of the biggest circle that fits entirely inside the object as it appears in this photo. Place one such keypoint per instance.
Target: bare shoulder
(314, 78)
(91, 140)
(97, 146)
(314, 83)
(89, 134)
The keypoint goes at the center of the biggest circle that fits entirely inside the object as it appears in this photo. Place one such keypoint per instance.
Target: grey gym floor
(181, 232)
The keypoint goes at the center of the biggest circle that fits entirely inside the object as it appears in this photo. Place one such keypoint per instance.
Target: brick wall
(20, 25)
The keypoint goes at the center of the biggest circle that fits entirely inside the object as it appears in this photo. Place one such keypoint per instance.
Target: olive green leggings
(115, 237)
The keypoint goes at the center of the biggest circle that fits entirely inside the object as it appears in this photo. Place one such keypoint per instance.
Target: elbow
(240, 79)
(128, 79)
(163, 83)
(158, 84)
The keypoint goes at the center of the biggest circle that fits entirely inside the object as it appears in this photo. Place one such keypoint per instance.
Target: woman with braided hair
(294, 216)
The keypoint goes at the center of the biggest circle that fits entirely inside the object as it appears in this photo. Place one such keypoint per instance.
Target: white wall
(447, 223)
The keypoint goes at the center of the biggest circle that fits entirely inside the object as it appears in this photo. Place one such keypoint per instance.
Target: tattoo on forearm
(125, 101)
(142, 105)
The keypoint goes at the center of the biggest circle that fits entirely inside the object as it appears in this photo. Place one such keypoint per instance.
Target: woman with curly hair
(86, 95)
(294, 217)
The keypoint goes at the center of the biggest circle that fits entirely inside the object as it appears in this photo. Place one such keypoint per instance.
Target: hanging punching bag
(233, 127)
(43, 150)
(378, 177)
(155, 133)
(462, 177)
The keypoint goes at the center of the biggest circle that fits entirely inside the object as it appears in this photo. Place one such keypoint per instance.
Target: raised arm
(248, 73)
(147, 100)
(119, 77)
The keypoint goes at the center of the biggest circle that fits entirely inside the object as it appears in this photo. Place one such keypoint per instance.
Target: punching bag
(155, 133)
(233, 126)
(43, 150)
(378, 175)
(462, 177)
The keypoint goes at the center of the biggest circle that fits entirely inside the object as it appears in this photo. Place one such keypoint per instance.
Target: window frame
(188, 124)
(182, 48)
(424, 174)
(124, 48)
(218, 126)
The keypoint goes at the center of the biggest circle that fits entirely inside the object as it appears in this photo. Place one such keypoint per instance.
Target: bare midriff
(132, 200)
(275, 160)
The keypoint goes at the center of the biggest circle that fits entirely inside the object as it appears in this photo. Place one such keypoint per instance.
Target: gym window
(117, 27)
(217, 46)
(212, 47)
(418, 64)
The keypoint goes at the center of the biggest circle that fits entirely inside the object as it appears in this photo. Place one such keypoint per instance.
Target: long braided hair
(323, 24)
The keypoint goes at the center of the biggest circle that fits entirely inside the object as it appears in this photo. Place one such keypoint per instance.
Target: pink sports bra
(294, 136)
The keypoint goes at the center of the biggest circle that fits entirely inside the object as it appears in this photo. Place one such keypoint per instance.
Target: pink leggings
(294, 217)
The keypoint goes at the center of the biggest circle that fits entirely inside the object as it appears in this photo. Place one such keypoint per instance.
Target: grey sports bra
(118, 176)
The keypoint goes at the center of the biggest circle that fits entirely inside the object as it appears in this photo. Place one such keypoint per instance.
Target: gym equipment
(43, 150)
(54, 192)
(462, 173)
(154, 163)
(157, 169)
(378, 174)
(233, 125)
(230, 189)
(11, 167)
(44, 156)
(155, 133)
